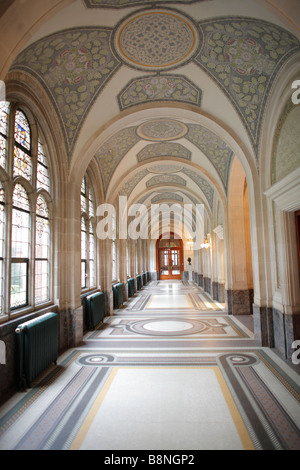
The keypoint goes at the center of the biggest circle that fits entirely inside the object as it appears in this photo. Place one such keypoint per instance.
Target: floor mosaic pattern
(152, 379)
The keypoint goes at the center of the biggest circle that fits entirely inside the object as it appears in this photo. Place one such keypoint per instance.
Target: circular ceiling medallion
(159, 169)
(156, 39)
(161, 130)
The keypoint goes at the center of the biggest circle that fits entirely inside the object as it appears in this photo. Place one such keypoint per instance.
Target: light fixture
(190, 242)
(206, 243)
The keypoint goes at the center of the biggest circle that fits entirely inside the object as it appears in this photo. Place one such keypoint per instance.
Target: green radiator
(94, 309)
(131, 288)
(138, 282)
(118, 295)
(37, 342)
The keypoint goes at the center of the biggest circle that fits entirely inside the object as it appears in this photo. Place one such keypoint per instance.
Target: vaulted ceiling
(156, 93)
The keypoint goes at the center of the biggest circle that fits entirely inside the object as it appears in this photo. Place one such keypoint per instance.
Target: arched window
(25, 260)
(88, 243)
(4, 114)
(20, 247)
(22, 148)
(42, 246)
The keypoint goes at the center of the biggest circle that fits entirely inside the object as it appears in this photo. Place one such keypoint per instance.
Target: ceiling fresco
(157, 47)
(163, 87)
(242, 55)
(166, 196)
(168, 178)
(164, 149)
(73, 66)
(112, 152)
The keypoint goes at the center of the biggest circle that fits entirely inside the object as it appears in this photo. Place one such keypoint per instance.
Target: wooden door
(170, 259)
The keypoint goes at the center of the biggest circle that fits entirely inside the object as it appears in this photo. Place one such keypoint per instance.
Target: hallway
(169, 370)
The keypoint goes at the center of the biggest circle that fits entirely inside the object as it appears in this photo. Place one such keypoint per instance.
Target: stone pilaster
(239, 302)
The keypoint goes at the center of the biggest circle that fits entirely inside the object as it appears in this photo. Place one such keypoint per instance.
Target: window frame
(87, 202)
(33, 187)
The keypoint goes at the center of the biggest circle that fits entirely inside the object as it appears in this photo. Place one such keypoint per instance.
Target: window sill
(25, 312)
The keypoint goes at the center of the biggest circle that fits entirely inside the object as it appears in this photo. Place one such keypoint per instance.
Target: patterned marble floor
(170, 370)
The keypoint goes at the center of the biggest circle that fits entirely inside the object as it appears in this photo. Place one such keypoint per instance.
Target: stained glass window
(20, 244)
(22, 156)
(4, 113)
(29, 269)
(42, 240)
(43, 180)
(22, 130)
(20, 223)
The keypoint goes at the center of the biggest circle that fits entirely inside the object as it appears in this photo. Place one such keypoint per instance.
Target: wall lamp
(206, 243)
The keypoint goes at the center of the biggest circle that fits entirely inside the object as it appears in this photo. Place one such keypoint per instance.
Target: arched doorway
(169, 256)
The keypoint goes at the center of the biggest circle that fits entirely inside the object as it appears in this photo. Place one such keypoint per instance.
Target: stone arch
(240, 286)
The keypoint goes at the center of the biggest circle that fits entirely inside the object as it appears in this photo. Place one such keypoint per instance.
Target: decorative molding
(286, 192)
(219, 231)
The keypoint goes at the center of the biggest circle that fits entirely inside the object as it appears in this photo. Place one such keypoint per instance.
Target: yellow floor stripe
(77, 442)
(239, 424)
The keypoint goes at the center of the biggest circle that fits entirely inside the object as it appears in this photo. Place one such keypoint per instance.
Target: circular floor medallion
(166, 327)
(156, 39)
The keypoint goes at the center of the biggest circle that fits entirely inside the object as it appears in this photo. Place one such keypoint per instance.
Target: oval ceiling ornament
(162, 130)
(156, 40)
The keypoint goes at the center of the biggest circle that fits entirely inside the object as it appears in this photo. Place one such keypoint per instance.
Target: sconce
(190, 243)
(206, 243)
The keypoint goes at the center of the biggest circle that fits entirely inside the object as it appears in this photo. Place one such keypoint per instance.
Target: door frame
(169, 248)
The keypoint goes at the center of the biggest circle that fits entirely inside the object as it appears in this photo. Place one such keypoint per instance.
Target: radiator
(94, 309)
(118, 295)
(37, 342)
(138, 282)
(131, 288)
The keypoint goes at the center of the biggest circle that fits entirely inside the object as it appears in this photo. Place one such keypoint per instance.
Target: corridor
(170, 370)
